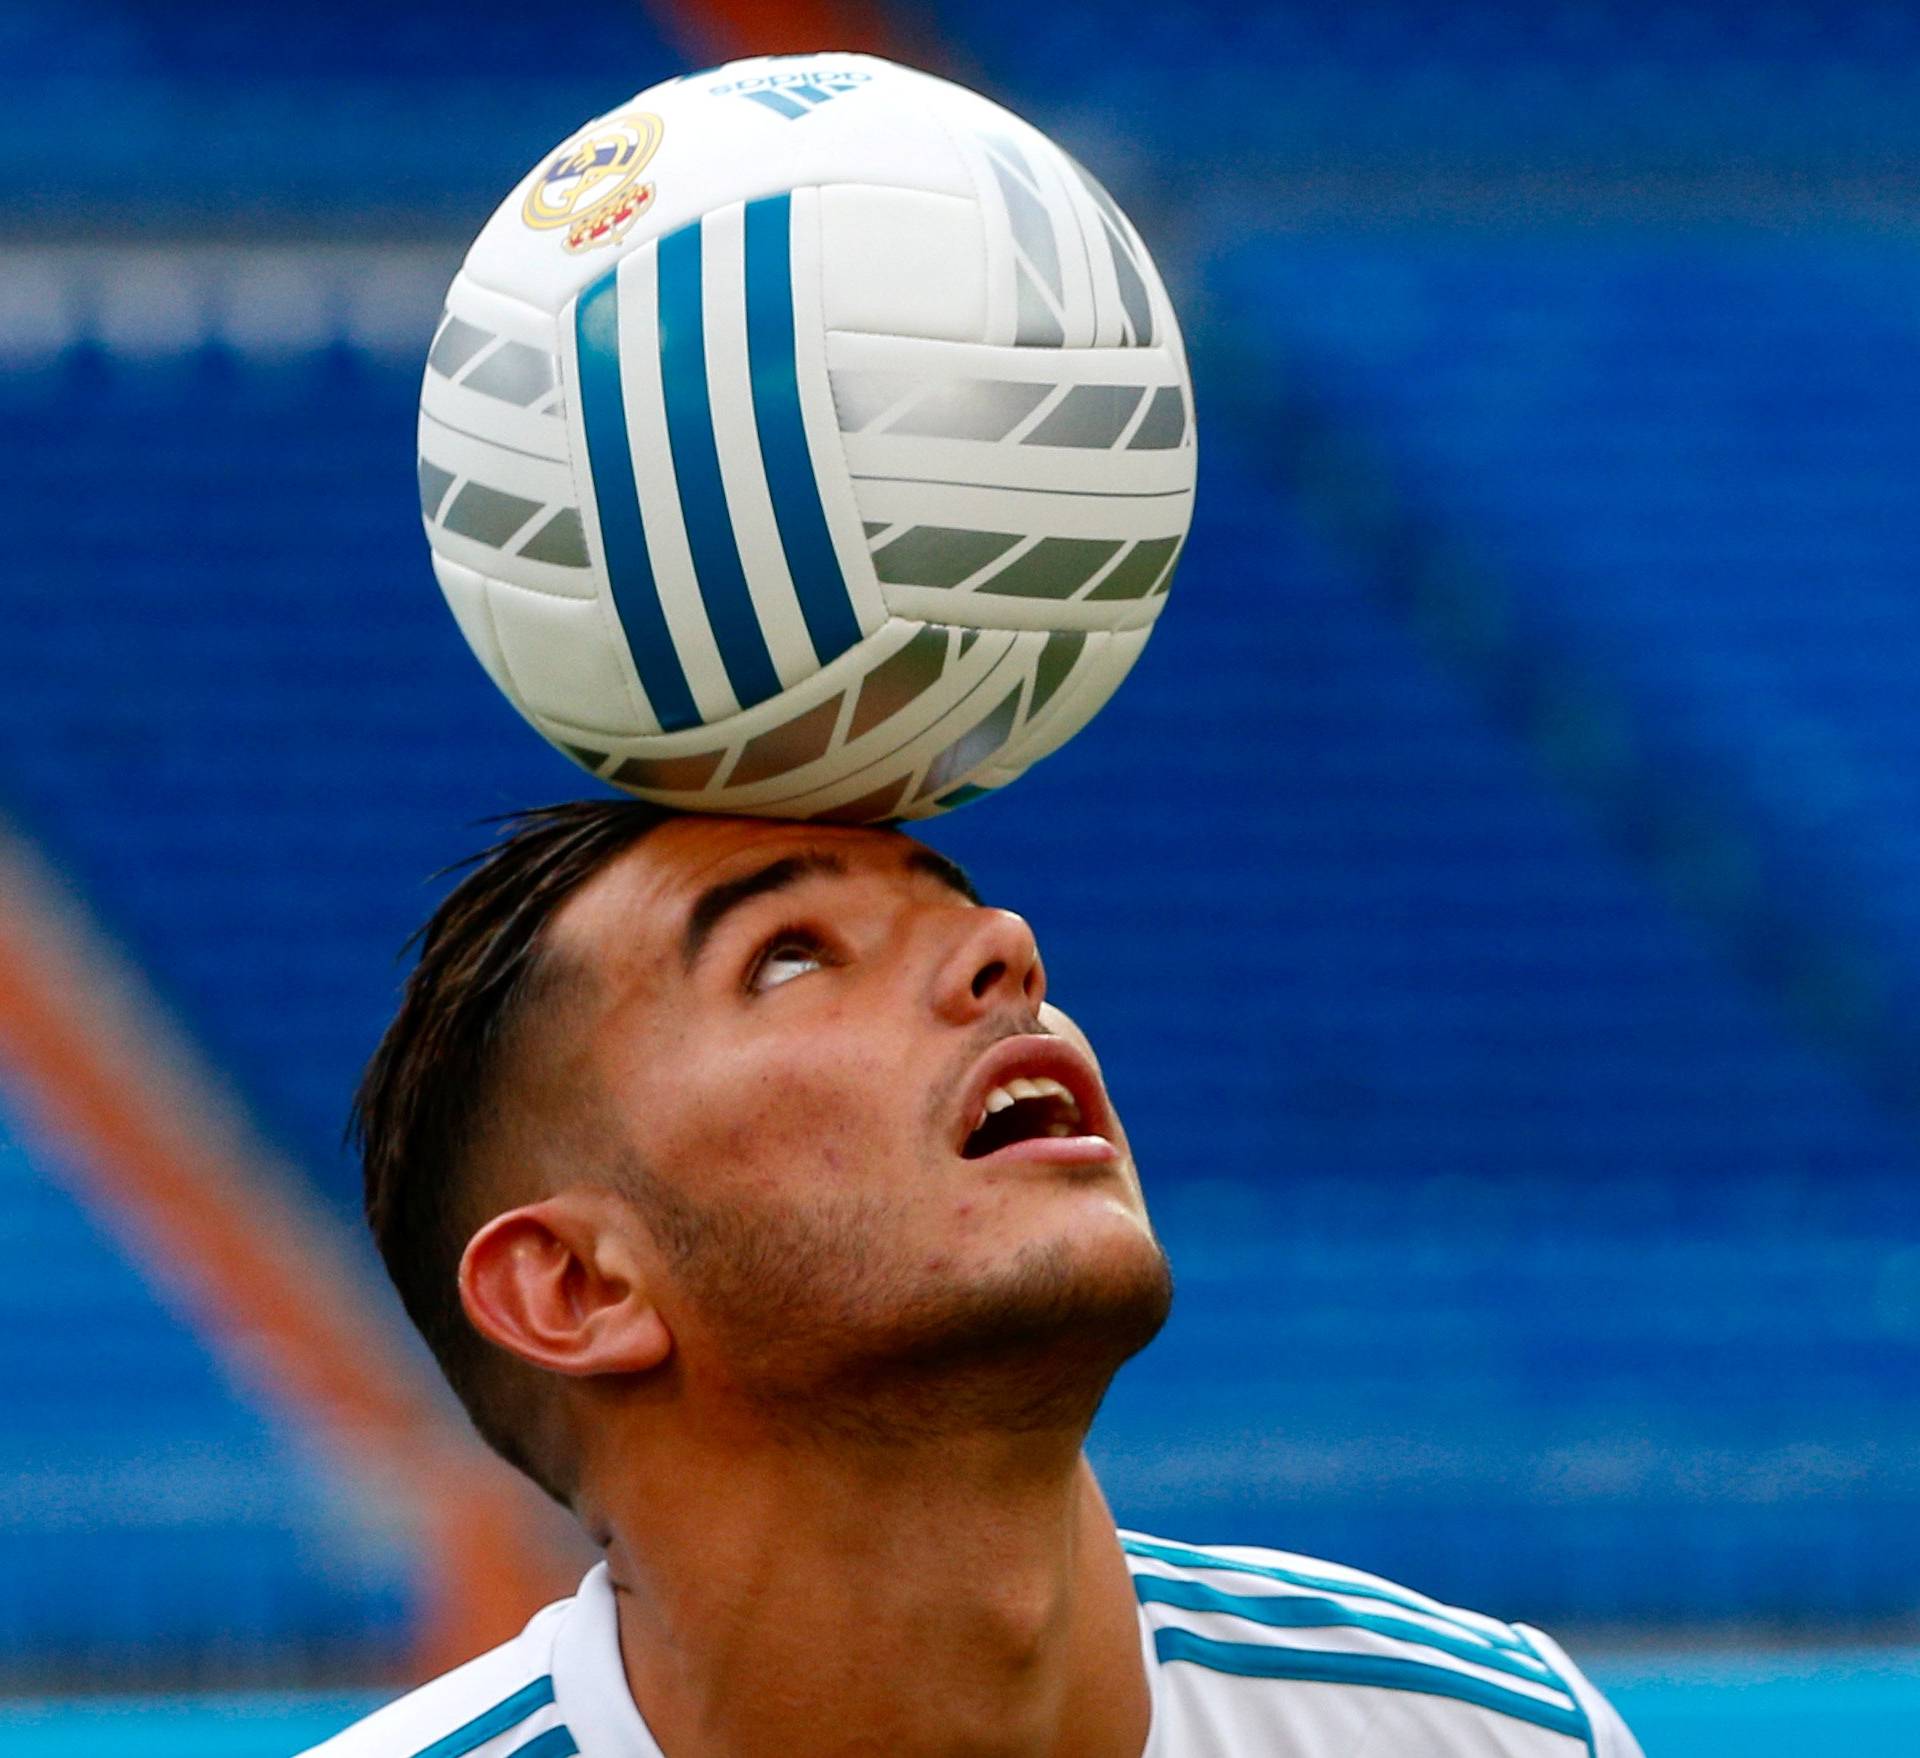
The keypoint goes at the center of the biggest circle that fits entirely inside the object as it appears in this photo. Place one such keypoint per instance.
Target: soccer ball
(808, 437)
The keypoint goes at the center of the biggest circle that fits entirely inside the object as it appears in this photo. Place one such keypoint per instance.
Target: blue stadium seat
(156, 1515)
(360, 120)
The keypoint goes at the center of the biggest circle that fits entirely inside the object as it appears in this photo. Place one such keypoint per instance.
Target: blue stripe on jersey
(492, 1722)
(556, 1742)
(818, 582)
(1264, 1661)
(636, 597)
(1573, 1696)
(1200, 1559)
(1289, 1611)
(696, 468)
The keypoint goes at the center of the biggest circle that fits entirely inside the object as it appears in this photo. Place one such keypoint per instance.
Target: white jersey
(1248, 1652)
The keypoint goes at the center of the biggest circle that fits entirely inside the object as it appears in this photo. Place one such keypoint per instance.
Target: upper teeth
(1014, 1090)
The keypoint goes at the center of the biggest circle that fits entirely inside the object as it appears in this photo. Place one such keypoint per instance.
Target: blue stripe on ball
(821, 587)
(603, 409)
(696, 468)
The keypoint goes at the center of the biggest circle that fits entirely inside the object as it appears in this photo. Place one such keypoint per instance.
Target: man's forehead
(641, 899)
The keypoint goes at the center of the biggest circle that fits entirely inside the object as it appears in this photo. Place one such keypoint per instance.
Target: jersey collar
(589, 1681)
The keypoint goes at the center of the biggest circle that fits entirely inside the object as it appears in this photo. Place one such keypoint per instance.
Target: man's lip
(1038, 1055)
(1054, 1150)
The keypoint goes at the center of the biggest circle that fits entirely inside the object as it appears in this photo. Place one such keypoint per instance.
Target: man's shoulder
(508, 1691)
(1257, 1636)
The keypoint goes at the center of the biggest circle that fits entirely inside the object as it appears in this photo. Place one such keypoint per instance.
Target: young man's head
(754, 1115)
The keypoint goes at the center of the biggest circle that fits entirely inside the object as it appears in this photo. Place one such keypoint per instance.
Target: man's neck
(919, 1602)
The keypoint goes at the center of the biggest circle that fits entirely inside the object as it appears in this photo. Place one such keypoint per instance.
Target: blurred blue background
(1496, 894)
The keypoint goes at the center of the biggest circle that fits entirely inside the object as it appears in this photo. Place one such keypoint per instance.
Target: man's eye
(789, 954)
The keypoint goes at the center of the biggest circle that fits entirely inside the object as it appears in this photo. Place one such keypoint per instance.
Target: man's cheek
(774, 1130)
(846, 1135)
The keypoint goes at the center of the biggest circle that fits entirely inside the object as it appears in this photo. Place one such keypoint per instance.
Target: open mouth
(1036, 1097)
(1022, 1109)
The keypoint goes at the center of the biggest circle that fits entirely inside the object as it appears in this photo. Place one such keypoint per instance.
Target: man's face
(863, 1147)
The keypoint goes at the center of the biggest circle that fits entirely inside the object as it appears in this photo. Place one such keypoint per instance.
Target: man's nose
(992, 964)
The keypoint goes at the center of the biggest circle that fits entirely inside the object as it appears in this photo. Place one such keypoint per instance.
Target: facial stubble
(829, 1336)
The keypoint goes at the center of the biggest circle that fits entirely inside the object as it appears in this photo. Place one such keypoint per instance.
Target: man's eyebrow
(720, 900)
(949, 873)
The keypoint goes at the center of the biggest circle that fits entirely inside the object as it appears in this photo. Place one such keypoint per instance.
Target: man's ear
(559, 1284)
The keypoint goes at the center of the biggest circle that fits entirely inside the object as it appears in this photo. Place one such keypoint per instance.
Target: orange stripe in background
(272, 1285)
(720, 30)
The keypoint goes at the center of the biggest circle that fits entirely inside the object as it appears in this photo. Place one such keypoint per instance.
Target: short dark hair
(433, 1088)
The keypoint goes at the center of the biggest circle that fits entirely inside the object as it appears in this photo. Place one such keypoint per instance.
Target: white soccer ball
(808, 437)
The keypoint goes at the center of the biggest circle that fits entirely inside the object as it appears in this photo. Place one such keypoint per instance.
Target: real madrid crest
(592, 186)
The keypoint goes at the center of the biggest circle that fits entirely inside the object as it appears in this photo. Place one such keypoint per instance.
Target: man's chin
(1030, 1346)
(828, 1334)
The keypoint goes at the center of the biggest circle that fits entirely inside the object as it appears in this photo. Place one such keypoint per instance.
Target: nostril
(985, 978)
